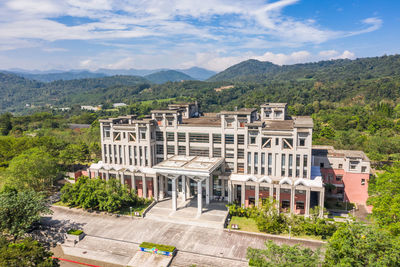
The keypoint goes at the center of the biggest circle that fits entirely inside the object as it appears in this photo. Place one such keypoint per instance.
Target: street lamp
(290, 230)
(130, 208)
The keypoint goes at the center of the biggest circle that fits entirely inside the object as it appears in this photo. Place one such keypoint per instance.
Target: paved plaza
(115, 239)
(212, 216)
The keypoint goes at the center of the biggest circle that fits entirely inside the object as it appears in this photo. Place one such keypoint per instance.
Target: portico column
(271, 192)
(243, 194)
(122, 178)
(208, 190)
(188, 195)
(278, 197)
(234, 192)
(211, 187)
(174, 194)
(292, 197)
(155, 187)
(144, 186)
(321, 202)
(307, 204)
(89, 174)
(108, 176)
(161, 181)
(229, 191)
(97, 174)
(199, 198)
(183, 188)
(257, 194)
(134, 182)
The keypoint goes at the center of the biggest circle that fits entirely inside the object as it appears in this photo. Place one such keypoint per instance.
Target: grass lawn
(245, 224)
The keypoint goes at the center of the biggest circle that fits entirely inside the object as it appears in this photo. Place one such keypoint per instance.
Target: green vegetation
(285, 255)
(269, 220)
(19, 209)
(25, 252)
(97, 194)
(166, 76)
(244, 224)
(165, 248)
(384, 192)
(74, 232)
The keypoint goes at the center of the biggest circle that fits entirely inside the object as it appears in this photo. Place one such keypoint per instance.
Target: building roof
(277, 125)
(330, 151)
(274, 105)
(202, 121)
(242, 111)
(192, 166)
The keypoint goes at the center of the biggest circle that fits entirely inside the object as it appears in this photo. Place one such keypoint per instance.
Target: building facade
(238, 156)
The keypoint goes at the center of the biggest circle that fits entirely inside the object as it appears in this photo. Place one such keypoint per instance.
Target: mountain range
(155, 75)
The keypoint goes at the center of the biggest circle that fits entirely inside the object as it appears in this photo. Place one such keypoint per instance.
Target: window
(170, 150)
(321, 164)
(287, 143)
(240, 154)
(199, 137)
(229, 123)
(363, 168)
(160, 149)
(290, 165)
(362, 181)
(132, 137)
(170, 136)
(302, 137)
(339, 178)
(240, 167)
(269, 164)
(285, 204)
(283, 165)
(300, 205)
(159, 136)
(106, 131)
(117, 136)
(297, 165)
(339, 190)
(266, 142)
(248, 162)
(330, 177)
(240, 139)
(229, 139)
(229, 153)
(277, 141)
(199, 151)
(170, 122)
(120, 154)
(182, 137)
(229, 167)
(305, 159)
(353, 165)
(262, 163)
(340, 166)
(252, 140)
(143, 135)
(302, 142)
(217, 152)
(255, 162)
(216, 138)
(181, 150)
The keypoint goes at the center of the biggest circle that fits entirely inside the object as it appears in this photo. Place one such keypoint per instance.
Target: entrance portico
(199, 169)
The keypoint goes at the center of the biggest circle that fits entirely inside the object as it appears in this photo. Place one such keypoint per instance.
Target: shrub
(74, 232)
(157, 246)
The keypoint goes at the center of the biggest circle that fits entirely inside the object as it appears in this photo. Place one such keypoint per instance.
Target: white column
(208, 190)
(108, 176)
(257, 194)
(321, 202)
(89, 173)
(144, 186)
(234, 192)
(230, 191)
(155, 187)
(292, 197)
(122, 178)
(188, 187)
(174, 194)
(133, 180)
(161, 181)
(271, 192)
(278, 197)
(183, 188)
(199, 198)
(307, 204)
(211, 186)
(97, 174)
(243, 194)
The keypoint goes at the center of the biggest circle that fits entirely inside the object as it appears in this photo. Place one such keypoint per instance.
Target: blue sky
(214, 34)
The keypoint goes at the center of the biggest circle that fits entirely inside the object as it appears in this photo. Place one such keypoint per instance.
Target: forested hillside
(167, 76)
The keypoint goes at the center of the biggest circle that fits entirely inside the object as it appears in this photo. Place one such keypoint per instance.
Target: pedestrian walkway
(212, 216)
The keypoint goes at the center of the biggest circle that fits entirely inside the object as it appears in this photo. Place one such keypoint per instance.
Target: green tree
(361, 245)
(384, 192)
(19, 209)
(5, 123)
(285, 255)
(25, 252)
(35, 168)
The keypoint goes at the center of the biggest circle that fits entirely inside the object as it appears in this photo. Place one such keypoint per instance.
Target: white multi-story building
(239, 155)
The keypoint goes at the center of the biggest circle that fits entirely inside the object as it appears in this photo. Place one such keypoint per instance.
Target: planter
(157, 249)
(75, 235)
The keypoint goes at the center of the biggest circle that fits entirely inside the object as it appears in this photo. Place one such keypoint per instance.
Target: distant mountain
(50, 77)
(329, 70)
(249, 67)
(198, 73)
(17, 92)
(168, 76)
(134, 72)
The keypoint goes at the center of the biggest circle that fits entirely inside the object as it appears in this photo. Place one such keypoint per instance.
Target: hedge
(165, 248)
(74, 232)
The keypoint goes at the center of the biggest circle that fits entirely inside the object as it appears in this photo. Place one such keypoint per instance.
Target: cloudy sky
(214, 34)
